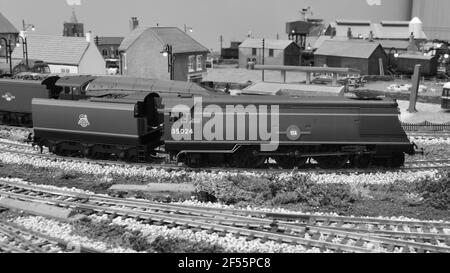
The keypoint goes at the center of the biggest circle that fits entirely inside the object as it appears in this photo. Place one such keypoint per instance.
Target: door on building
(333, 61)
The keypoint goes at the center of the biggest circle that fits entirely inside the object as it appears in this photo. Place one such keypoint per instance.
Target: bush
(436, 193)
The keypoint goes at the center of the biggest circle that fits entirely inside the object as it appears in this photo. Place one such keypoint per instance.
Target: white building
(75, 55)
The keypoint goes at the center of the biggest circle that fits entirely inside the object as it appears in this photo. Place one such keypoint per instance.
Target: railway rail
(27, 150)
(306, 230)
(21, 240)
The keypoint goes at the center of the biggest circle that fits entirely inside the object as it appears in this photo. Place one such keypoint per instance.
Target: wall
(92, 62)
(435, 18)
(111, 51)
(277, 59)
(374, 66)
(144, 58)
(57, 68)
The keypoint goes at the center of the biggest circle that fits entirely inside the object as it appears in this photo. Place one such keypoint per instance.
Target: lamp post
(25, 27)
(8, 52)
(167, 52)
(390, 55)
(24, 49)
(263, 49)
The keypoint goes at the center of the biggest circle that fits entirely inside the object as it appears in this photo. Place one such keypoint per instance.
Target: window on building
(191, 63)
(105, 52)
(199, 63)
(116, 53)
(65, 70)
(270, 52)
(254, 51)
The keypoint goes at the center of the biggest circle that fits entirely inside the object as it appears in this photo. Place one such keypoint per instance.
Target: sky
(209, 19)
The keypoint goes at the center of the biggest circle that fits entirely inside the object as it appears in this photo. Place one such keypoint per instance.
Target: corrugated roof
(110, 40)
(415, 56)
(6, 26)
(393, 31)
(275, 87)
(269, 44)
(352, 49)
(397, 44)
(180, 41)
(54, 49)
(353, 22)
(319, 41)
(383, 30)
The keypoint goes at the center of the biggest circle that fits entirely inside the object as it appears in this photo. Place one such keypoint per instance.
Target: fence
(426, 126)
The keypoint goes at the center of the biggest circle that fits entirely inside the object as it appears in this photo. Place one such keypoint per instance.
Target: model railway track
(27, 150)
(24, 240)
(443, 134)
(240, 223)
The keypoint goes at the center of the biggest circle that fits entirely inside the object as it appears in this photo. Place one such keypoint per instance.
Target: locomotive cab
(74, 87)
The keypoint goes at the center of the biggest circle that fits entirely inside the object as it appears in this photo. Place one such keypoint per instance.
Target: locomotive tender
(16, 93)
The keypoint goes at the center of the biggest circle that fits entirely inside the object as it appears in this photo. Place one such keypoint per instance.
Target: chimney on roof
(333, 32)
(89, 36)
(371, 36)
(349, 33)
(134, 23)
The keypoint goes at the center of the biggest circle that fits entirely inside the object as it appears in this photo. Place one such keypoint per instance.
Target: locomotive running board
(316, 154)
(232, 151)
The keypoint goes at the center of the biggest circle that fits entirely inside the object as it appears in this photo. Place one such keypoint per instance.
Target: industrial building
(276, 52)
(405, 63)
(434, 15)
(361, 55)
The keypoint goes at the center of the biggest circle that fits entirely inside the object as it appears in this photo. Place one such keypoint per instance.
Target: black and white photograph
(226, 132)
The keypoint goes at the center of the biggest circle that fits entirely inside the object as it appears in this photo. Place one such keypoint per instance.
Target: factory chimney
(134, 23)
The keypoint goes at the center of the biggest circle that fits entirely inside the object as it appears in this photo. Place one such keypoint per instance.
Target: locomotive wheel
(246, 158)
(331, 162)
(398, 160)
(361, 162)
(287, 162)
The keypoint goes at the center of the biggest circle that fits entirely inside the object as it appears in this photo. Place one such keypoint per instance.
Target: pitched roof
(6, 26)
(397, 44)
(110, 40)
(269, 44)
(180, 41)
(352, 49)
(54, 49)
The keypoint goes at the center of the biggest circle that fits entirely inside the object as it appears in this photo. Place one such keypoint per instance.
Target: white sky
(209, 18)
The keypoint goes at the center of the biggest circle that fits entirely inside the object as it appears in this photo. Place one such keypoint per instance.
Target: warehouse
(361, 55)
(405, 63)
(276, 52)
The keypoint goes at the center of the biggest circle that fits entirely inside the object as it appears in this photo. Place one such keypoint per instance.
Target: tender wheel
(331, 162)
(361, 162)
(287, 162)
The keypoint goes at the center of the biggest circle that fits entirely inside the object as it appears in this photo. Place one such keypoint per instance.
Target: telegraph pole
(263, 49)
